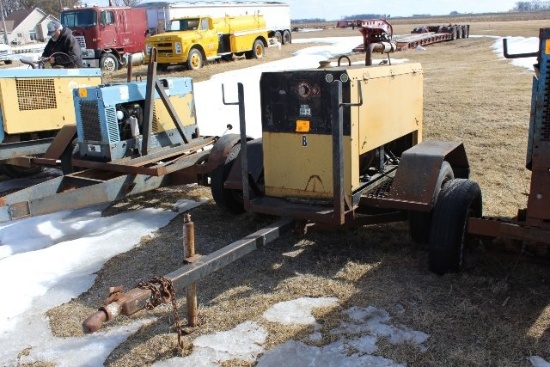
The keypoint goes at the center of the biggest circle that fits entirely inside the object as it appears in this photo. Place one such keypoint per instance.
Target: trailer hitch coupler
(94, 322)
(106, 313)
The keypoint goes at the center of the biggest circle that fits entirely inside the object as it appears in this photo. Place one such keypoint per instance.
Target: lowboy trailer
(373, 29)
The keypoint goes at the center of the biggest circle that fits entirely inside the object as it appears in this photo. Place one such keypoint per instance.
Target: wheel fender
(255, 160)
(416, 178)
(221, 149)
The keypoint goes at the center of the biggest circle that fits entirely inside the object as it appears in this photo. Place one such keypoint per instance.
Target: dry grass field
(495, 314)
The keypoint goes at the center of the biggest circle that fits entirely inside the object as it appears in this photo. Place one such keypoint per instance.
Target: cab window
(107, 17)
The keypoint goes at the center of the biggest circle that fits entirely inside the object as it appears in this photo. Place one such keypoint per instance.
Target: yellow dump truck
(190, 41)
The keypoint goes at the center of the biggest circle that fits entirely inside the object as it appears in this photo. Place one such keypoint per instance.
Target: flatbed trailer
(420, 36)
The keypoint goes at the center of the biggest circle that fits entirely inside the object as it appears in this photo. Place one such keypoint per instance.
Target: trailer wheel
(287, 38)
(195, 60)
(229, 199)
(458, 200)
(19, 172)
(421, 222)
(108, 62)
(8, 62)
(257, 52)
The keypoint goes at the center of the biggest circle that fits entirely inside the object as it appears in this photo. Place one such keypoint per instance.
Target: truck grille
(36, 94)
(81, 41)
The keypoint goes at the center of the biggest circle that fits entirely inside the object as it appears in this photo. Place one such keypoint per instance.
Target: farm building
(25, 26)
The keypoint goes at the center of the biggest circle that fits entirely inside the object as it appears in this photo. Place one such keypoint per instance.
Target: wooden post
(189, 248)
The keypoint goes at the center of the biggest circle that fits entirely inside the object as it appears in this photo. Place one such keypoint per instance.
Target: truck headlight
(177, 47)
(148, 48)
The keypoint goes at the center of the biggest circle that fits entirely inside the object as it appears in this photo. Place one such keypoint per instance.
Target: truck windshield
(79, 18)
(184, 24)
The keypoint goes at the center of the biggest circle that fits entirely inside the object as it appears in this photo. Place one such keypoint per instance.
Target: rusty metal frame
(136, 299)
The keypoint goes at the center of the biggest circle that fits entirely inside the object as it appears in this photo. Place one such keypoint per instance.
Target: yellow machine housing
(385, 119)
(37, 100)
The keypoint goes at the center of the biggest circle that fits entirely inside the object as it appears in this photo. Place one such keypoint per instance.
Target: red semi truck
(108, 35)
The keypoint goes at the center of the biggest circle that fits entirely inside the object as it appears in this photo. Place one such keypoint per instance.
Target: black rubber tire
(257, 52)
(458, 200)
(420, 223)
(162, 67)
(19, 172)
(287, 37)
(8, 62)
(109, 62)
(279, 37)
(195, 60)
(228, 199)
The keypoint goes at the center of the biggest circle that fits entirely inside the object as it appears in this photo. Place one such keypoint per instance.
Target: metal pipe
(382, 47)
(189, 246)
(337, 151)
(149, 102)
(130, 69)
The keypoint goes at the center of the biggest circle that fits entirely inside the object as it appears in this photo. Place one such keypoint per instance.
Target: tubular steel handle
(349, 104)
(515, 56)
(223, 99)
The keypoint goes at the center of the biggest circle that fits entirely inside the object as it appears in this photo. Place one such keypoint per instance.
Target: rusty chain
(162, 291)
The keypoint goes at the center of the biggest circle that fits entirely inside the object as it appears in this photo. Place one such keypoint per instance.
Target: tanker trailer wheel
(421, 222)
(108, 62)
(19, 172)
(287, 38)
(279, 37)
(257, 52)
(195, 59)
(458, 200)
(229, 199)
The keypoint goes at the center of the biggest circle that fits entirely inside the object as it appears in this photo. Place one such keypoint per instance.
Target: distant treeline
(534, 5)
(521, 6)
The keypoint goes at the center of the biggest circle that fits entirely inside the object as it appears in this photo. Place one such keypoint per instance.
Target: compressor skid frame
(187, 158)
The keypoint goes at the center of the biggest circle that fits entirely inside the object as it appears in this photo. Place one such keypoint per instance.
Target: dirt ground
(494, 314)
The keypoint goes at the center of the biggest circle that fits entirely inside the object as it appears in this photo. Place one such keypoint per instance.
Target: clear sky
(334, 10)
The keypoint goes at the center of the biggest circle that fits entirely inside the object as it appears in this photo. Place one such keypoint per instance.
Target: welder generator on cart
(332, 154)
(35, 105)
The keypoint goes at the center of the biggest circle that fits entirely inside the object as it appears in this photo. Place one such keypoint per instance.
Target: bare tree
(534, 5)
(125, 2)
